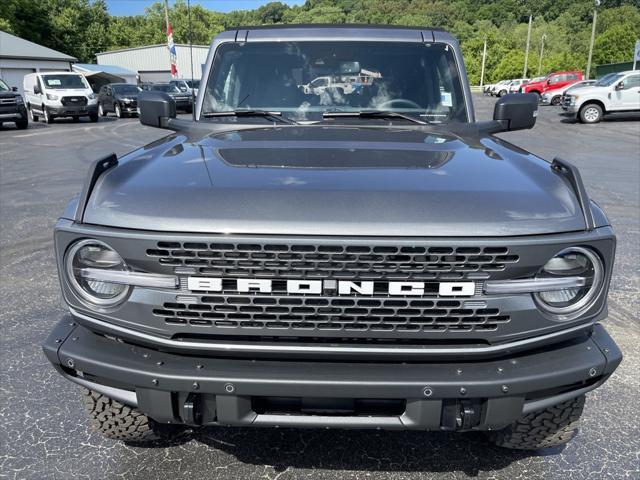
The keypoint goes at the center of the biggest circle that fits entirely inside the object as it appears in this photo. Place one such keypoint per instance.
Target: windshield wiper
(373, 114)
(250, 113)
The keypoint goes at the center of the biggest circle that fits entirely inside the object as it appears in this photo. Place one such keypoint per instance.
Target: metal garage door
(14, 76)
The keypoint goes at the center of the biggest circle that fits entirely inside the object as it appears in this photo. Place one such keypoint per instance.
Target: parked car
(270, 264)
(119, 98)
(183, 100)
(516, 85)
(59, 94)
(552, 81)
(617, 93)
(554, 96)
(502, 84)
(188, 86)
(12, 107)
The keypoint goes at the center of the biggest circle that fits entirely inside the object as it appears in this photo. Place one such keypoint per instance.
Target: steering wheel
(398, 102)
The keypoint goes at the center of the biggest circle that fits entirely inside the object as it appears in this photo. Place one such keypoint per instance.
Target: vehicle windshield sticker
(445, 99)
(53, 81)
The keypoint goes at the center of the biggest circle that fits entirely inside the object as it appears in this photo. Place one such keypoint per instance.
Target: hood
(317, 180)
(591, 89)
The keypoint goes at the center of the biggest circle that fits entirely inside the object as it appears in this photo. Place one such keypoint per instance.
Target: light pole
(593, 36)
(526, 53)
(484, 56)
(544, 37)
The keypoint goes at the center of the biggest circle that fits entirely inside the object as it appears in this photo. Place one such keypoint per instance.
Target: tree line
(82, 28)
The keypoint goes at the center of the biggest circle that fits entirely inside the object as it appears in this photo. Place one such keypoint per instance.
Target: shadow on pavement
(357, 450)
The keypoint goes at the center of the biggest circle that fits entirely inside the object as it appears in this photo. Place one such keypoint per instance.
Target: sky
(135, 7)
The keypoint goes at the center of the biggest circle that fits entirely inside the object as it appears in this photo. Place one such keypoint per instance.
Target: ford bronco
(374, 259)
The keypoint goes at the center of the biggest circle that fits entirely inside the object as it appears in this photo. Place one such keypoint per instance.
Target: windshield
(302, 80)
(64, 81)
(165, 88)
(609, 79)
(126, 89)
(4, 87)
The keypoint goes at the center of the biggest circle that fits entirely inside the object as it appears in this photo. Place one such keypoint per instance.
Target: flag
(173, 57)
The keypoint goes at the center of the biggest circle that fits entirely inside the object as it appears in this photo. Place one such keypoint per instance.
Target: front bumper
(456, 395)
(13, 112)
(73, 111)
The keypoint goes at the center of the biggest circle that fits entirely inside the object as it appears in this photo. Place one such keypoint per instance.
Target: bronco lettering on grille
(339, 287)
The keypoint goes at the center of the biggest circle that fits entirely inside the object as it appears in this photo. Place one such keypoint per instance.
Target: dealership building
(152, 63)
(18, 57)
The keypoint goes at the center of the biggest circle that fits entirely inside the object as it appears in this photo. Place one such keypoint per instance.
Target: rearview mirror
(516, 111)
(156, 108)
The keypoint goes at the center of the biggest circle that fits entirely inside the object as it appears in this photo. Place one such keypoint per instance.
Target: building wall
(13, 70)
(154, 61)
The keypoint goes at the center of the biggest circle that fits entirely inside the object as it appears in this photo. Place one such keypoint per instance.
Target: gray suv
(367, 256)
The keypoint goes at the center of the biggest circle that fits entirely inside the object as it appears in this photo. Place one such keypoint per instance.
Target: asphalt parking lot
(43, 429)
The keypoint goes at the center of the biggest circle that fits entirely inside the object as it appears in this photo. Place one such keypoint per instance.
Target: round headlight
(569, 303)
(94, 254)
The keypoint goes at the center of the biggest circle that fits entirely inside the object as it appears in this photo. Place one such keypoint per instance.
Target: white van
(59, 94)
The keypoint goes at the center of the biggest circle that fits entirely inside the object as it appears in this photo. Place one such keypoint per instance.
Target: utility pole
(593, 36)
(484, 56)
(544, 36)
(526, 53)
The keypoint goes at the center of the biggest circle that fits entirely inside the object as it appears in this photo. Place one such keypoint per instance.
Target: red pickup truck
(551, 81)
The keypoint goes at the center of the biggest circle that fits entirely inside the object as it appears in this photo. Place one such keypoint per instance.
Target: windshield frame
(457, 61)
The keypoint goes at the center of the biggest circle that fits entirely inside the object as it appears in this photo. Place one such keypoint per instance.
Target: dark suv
(362, 257)
(12, 107)
(182, 100)
(119, 98)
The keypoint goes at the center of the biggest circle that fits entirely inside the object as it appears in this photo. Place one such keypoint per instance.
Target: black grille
(255, 260)
(331, 314)
(72, 101)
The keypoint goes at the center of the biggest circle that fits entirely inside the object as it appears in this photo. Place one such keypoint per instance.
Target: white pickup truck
(611, 94)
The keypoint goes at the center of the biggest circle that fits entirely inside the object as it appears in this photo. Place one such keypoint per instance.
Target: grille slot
(73, 100)
(319, 314)
(252, 260)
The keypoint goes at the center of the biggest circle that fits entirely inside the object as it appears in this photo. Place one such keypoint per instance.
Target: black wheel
(118, 110)
(555, 101)
(546, 428)
(114, 420)
(93, 117)
(101, 111)
(22, 124)
(34, 117)
(189, 109)
(48, 118)
(590, 113)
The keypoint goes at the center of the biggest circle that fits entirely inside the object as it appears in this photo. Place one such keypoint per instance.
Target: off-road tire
(546, 428)
(116, 421)
(22, 124)
(93, 117)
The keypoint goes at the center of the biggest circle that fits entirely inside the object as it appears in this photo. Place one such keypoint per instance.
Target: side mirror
(14, 89)
(36, 90)
(516, 111)
(620, 86)
(156, 108)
